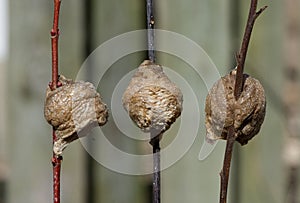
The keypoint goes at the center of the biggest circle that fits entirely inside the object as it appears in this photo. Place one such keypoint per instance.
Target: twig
(54, 44)
(235, 26)
(241, 56)
(154, 137)
(150, 30)
(226, 164)
(156, 167)
(239, 80)
(56, 160)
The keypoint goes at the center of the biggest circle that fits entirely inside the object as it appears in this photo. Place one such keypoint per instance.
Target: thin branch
(226, 164)
(155, 139)
(235, 26)
(150, 30)
(54, 44)
(239, 80)
(241, 57)
(56, 160)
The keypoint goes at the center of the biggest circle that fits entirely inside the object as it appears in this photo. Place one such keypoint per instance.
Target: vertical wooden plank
(110, 19)
(291, 99)
(206, 23)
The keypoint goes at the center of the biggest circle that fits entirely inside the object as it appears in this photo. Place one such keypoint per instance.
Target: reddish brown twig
(226, 165)
(241, 57)
(54, 44)
(56, 160)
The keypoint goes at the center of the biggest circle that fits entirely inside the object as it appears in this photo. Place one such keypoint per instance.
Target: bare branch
(56, 160)
(239, 82)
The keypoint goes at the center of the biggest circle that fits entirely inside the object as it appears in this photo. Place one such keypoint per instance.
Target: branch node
(260, 11)
(54, 33)
(56, 160)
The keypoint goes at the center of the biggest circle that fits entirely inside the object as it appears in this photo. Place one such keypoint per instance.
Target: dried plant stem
(150, 30)
(226, 164)
(156, 168)
(154, 137)
(54, 44)
(56, 160)
(241, 57)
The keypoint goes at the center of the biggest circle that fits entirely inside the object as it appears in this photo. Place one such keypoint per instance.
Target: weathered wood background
(259, 173)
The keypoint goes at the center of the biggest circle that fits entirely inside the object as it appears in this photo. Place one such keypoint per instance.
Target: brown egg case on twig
(222, 109)
(73, 109)
(152, 101)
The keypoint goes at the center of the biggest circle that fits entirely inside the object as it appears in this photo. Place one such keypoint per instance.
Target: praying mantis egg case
(71, 109)
(222, 110)
(152, 101)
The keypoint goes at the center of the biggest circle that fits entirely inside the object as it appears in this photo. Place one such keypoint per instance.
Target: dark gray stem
(150, 30)
(155, 139)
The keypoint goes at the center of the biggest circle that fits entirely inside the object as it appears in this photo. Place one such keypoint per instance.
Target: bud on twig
(73, 108)
(151, 99)
(222, 110)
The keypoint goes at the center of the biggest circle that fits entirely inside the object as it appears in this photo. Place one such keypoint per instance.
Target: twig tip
(260, 11)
